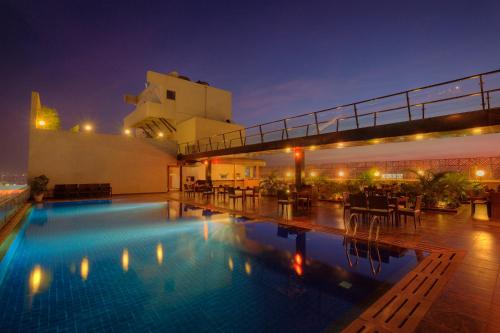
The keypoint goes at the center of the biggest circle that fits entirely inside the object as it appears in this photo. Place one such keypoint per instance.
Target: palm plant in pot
(38, 187)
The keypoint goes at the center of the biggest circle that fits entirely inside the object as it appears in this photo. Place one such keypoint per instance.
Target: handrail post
(198, 142)
(286, 128)
(241, 139)
(316, 122)
(481, 85)
(488, 100)
(408, 105)
(224, 139)
(423, 110)
(261, 134)
(210, 141)
(356, 115)
(375, 119)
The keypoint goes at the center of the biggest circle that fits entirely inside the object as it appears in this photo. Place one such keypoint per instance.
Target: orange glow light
(298, 258)
(298, 269)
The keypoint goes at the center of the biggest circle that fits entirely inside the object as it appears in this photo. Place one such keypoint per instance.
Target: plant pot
(38, 197)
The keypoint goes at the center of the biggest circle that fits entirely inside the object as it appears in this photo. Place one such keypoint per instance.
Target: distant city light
(88, 127)
(288, 150)
(341, 173)
(42, 123)
(421, 172)
(313, 174)
(480, 173)
(127, 131)
(289, 174)
(376, 173)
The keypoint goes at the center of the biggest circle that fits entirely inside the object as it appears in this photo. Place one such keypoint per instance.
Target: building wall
(201, 128)
(131, 165)
(192, 99)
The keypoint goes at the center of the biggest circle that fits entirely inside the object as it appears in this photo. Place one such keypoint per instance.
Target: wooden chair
(304, 198)
(358, 205)
(284, 202)
(189, 191)
(255, 194)
(415, 211)
(234, 196)
(378, 205)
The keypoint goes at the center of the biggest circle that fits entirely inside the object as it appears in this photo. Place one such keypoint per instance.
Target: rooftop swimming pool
(133, 266)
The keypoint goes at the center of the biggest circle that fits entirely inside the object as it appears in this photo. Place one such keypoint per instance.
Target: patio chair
(255, 194)
(378, 205)
(304, 197)
(222, 192)
(105, 190)
(71, 191)
(231, 192)
(84, 190)
(358, 205)
(189, 191)
(415, 212)
(284, 201)
(59, 191)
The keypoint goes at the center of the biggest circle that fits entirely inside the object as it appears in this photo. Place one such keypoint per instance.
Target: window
(171, 94)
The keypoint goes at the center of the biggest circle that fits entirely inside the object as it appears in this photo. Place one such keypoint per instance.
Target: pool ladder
(353, 219)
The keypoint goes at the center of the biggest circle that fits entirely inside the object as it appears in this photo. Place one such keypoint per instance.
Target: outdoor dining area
(389, 206)
(205, 190)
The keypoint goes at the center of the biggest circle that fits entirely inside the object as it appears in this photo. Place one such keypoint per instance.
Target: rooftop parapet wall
(131, 165)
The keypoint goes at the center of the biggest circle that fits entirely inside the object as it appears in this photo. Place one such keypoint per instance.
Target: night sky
(278, 58)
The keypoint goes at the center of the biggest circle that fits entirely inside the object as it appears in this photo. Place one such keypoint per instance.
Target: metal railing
(10, 205)
(471, 93)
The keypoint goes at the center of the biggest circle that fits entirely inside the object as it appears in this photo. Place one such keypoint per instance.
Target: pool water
(162, 266)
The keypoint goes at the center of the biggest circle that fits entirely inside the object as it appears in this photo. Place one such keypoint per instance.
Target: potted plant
(38, 187)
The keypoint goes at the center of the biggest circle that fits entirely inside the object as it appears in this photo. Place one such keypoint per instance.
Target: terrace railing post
(356, 115)
(375, 119)
(286, 128)
(198, 142)
(481, 85)
(224, 139)
(423, 110)
(488, 99)
(337, 121)
(210, 142)
(261, 134)
(241, 138)
(408, 105)
(316, 122)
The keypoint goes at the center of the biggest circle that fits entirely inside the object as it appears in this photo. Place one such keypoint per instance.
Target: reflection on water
(159, 253)
(230, 264)
(248, 268)
(39, 280)
(84, 268)
(205, 230)
(35, 279)
(125, 260)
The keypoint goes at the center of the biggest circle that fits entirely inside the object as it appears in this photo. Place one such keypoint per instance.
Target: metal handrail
(228, 138)
(10, 205)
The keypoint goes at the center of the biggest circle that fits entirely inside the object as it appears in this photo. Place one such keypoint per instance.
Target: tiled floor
(471, 300)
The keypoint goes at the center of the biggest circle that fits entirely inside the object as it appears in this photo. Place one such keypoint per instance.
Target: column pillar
(298, 155)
